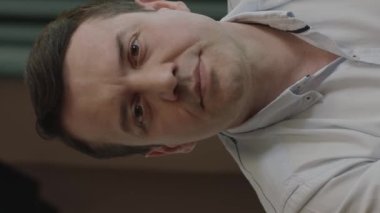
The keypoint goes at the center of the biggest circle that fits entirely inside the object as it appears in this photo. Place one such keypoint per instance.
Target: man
(291, 88)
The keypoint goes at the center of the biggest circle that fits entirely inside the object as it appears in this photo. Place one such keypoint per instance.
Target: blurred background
(46, 176)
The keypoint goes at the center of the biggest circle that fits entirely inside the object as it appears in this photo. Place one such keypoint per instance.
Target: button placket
(298, 88)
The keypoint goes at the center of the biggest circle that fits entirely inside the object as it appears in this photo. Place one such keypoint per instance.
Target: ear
(166, 150)
(159, 4)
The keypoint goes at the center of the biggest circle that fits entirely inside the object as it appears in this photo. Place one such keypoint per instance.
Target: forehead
(93, 49)
(94, 38)
(89, 79)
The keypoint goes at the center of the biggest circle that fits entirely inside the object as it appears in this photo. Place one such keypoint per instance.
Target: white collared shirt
(315, 148)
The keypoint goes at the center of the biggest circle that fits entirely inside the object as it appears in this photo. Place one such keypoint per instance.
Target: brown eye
(134, 51)
(138, 113)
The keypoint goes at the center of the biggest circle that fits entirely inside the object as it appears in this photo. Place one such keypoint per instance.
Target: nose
(158, 80)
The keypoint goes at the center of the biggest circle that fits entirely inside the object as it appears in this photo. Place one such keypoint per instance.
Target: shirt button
(308, 98)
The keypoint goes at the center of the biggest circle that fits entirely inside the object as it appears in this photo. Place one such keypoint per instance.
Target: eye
(138, 113)
(134, 51)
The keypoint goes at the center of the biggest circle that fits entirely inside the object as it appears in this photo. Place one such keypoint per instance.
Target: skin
(157, 85)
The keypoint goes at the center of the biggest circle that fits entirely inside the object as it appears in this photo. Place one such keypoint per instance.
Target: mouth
(198, 82)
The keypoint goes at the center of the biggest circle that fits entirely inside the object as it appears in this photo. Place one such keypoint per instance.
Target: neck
(277, 59)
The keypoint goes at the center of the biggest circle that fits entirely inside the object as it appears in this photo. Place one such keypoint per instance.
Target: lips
(198, 82)
(203, 80)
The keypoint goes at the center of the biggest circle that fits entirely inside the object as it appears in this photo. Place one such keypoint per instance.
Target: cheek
(172, 120)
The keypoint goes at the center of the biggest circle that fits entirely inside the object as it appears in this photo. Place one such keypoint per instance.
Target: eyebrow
(120, 48)
(123, 119)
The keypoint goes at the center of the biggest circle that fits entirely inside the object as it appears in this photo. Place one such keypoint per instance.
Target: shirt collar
(237, 6)
(253, 12)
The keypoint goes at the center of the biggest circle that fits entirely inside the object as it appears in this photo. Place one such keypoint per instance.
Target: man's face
(165, 77)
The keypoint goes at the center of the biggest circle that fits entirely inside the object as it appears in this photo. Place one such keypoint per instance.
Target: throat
(294, 60)
(275, 60)
(314, 59)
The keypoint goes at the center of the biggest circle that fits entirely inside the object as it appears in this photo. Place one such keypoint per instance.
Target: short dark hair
(44, 78)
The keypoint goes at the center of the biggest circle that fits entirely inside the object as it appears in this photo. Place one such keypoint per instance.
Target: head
(117, 78)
